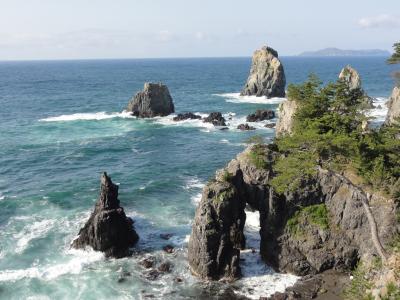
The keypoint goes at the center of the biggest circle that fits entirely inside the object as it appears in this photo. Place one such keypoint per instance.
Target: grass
(316, 215)
(257, 157)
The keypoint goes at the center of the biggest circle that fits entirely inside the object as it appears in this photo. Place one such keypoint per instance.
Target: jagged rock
(267, 77)
(168, 249)
(108, 229)
(217, 233)
(393, 108)
(347, 237)
(154, 100)
(186, 116)
(352, 79)
(165, 267)
(245, 127)
(261, 115)
(215, 118)
(286, 111)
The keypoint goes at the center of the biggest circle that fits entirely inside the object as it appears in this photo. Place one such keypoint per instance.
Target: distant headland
(341, 52)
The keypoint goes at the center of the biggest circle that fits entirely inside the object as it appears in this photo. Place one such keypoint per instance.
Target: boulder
(393, 108)
(186, 116)
(154, 100)
(270, 125)
(267, 77)
(108, 229)
(245, 127)
(286, 112)
(215, 118)
(261, 115)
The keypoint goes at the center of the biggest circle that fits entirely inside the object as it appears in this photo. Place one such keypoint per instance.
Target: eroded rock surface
(286, 111)
(215, 118)
(267, 76)
(186, 116)
(394, 107)
(108, 229)
(261, 115)
(154, 100)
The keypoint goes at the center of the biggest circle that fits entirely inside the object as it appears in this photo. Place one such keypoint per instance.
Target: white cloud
(165, 36)
(380, 21)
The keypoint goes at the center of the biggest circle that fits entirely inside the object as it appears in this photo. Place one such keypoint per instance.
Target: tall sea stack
(108, 229)
(267, 77)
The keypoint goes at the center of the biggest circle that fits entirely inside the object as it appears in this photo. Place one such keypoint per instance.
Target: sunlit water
(61, 125)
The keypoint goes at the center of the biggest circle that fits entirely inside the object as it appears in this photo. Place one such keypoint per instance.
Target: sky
(92, 29)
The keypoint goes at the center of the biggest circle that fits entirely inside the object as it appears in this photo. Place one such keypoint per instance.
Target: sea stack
(108, 229)
(394, 108)
(155, 100)
(352, 79)
(267, 77)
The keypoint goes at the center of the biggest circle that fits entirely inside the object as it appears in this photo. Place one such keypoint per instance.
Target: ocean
(62, 124)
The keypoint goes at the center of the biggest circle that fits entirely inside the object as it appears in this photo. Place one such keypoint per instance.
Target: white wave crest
(380, 111)
(88, 116)
(79, 260)
(236, 98)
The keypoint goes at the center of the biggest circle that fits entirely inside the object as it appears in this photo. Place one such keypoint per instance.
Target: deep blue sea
(61, 125)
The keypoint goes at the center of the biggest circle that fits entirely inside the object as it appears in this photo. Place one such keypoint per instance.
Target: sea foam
(236, 98)
(88, 116)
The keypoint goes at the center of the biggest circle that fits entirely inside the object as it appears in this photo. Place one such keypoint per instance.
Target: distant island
(341, 52)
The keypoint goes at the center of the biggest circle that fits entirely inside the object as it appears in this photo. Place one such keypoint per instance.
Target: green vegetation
(359, 284)
(221, 197)
(393, 292)
(226, 176)
(316, 215)
(255, 139)
(395, 58)
(257, 156)
(328, 131)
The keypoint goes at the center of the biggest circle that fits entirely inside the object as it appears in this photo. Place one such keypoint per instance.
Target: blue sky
(61, 29)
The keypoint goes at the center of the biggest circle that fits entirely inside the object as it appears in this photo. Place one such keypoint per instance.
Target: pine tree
(395, 58)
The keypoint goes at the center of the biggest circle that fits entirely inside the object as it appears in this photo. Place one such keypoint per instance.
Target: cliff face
(267, 77)
(394, 107)
(286, 111)
(293, 239)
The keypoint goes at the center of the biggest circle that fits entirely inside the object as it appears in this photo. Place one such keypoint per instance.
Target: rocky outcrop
(217, 233)
(352, 79)
(186, 116)
(286, 112)
(353, 223)
(267, 77)
(154, 100)
(245, 127)
(261, 115)
(108, 229)
(393, 108)
(215, 118)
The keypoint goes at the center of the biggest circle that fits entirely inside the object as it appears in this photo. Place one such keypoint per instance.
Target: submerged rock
(261, 115)
(108, 229)
(215, 118)
(154, 100)
(393, 104)
(186, 116)
(267, 77)
(270, 125)
(245, 127)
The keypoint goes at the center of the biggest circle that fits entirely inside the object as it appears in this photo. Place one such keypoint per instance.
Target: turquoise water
(61, 125)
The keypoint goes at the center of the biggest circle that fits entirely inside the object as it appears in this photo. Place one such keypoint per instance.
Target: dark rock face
(245, 127)
(186, 116)
(270, 125)
(217, 233)
(108, 229)
(261, 115)
(267, 77)
(314, 249)
(154, 100)
(215, 118)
